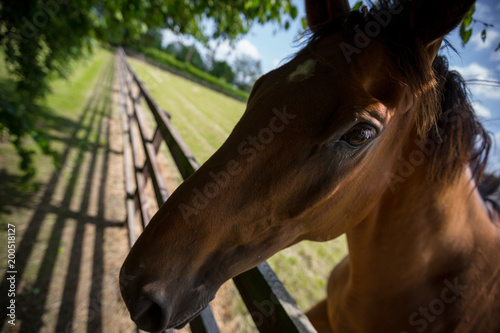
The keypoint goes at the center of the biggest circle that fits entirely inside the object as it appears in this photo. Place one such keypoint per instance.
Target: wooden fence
(271, 306)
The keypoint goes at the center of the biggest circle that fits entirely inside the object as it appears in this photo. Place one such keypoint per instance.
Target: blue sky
(477, 60)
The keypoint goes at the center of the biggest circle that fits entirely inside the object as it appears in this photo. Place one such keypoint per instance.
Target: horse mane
(489, 189)
(463, 139)
(444, 113)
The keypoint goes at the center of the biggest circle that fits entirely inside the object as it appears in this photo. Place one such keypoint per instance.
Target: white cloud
(481, 110)
(491, 38)
(487, 14)
(495, 151)
(495, 56)
(474, 71)
(483, 11)
(224, 50)
(247, 48)
(169, 37)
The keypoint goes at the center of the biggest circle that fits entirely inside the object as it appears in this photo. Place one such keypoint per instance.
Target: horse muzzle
(148, 306)
(155, 307)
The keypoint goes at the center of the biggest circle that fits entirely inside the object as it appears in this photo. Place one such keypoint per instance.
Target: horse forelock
(443, 112)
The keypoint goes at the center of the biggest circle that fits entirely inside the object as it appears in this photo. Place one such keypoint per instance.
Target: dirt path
(71, 245)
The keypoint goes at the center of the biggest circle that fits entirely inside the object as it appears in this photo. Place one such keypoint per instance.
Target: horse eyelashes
(359, 135)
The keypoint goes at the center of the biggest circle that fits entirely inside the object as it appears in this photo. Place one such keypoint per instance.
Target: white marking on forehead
(303, 71)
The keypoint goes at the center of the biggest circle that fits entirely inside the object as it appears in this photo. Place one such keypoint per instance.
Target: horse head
(307, 160)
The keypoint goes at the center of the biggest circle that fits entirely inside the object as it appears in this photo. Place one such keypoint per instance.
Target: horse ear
(431, 20)
(320, 12)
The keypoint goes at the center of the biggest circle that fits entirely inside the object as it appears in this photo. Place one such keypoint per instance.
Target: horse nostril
(149, 315)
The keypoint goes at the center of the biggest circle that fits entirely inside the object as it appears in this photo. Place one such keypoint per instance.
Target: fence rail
(271, 306)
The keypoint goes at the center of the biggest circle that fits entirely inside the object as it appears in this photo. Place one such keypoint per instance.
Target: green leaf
(293, 12)
(119, 16)
(498, 47)
(465, 34)
(287, 25)
(468, 18)
(357, 6)
(466, 37)
(483, 35)
(304, 23)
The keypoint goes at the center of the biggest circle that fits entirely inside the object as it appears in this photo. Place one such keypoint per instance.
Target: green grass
(61, 110)
(170, 62)
(68, 96)
(51, 223)
(204, 119)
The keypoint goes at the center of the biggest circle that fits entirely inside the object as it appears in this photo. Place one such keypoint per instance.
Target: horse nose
(149, 314)
(147, 305)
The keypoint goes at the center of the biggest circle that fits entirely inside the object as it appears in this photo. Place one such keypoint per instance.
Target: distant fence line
(181, 73)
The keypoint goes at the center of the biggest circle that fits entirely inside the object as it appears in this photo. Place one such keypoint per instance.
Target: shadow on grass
(13, 195)
(89, 134)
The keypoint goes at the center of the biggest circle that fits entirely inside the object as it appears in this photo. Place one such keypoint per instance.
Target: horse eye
(358, 136)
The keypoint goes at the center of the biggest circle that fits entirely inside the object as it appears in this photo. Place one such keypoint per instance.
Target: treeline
(235, 79)
(42, 39)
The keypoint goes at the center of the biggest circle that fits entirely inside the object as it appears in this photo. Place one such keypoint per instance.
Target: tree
(175, 50)
(188, 54)
(222, 70)
(468, 24)
(41, 37)
(248, 70)
(152, 38)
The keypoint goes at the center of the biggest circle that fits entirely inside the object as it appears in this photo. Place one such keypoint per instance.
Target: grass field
(70, 239)
(204, 119)
(60, 110)
(70, 234)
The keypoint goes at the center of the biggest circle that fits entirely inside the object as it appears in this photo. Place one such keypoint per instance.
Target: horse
(364, 132)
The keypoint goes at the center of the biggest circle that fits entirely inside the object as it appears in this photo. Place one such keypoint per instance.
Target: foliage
(152, 38)
(248, 70)
(188, 54)
(466, 27)
(222, 70)
(217, 83)
(42, 37)
(357, 5)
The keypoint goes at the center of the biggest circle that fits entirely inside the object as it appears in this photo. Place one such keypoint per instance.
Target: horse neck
(418, 231)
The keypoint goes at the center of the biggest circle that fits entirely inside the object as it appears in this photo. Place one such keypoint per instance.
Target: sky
(476, 61)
